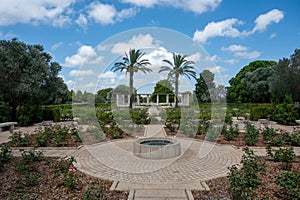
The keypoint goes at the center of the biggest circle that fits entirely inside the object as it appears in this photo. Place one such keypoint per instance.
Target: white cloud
(34, 12)
(273, 35)
(74, 73)
(142, 3)
(263, 20)
(194, 57)
(126, 13)
(200, 6)
(247, 55)
(211, 58)
(108, 14)
(195, 6)
(136, 42)
(108, 74)
(82, 21)
(241, 52)
(216, 69)
(85, 55)
(226, 28)
(235, 48)
(223, 28)
(102, 13)
(56, 46)
(231, 61)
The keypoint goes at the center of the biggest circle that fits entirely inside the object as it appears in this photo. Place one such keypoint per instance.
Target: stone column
(148, 99)
(128, 99)
(157, 99)
(167, 98)
(138, 99)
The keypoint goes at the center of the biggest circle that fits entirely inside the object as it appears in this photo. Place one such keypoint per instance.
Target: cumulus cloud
(216, 69)
(194, 57)
(195, 6)
(82, 21)
(74, 73)
(108, 74)
(231, 61)
(227, 27)
(234, 48)
(263, 20)
(247, 55)
(136, 42)
(223, 28)
(211, 58)
(241, 52)
(108, 14)
(85, 55)
(25, 12)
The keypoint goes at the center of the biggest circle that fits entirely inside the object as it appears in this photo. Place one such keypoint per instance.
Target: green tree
(104, 95)
(132, 63)
(257, 84)
(286, 78)
(163, 87)
(205, 86)
(28, 75)
(237, 91)
(179, 66)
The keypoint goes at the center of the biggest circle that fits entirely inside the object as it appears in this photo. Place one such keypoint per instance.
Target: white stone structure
(184, 100)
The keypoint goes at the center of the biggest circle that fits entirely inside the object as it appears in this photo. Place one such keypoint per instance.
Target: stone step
(159, 194)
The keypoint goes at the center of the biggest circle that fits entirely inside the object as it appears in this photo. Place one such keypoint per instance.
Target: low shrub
(27, 114)
(289, 182)
(244, 181)
(93, 193)
(285, 114)
(251, 135)
(285, 155)
(269, 134)
(5, 156)
(140, 115)
(19, 139)
(260, 113)
(294, 138)
(230, 133)
(4, 110)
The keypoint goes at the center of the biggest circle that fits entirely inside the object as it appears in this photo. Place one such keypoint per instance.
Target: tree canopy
(286, 78)
(237, 90)
(163, 87)
(204, 86)
(28, 75)
(257, 84)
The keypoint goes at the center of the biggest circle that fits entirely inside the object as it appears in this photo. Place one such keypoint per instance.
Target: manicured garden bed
(269, 189)
(34, 176)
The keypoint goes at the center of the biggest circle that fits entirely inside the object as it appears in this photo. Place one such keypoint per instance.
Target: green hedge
(260, 113)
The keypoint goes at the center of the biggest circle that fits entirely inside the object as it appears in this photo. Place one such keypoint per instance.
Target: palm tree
(132, 63)
(179, 66)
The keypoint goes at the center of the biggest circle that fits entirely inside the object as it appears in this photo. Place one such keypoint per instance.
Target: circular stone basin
(156, 148)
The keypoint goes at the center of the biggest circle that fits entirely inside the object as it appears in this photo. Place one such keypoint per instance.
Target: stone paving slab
(198, 162)
(117, 185)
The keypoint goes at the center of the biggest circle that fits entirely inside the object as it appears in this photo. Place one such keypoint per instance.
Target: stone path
(151, 179)
(157, 179)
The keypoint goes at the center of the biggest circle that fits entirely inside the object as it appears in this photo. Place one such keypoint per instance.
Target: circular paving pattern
(199, 161)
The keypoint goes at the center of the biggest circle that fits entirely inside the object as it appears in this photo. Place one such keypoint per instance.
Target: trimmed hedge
(260, 113)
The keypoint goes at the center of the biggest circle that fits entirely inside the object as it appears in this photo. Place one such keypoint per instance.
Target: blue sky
(233, 33)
